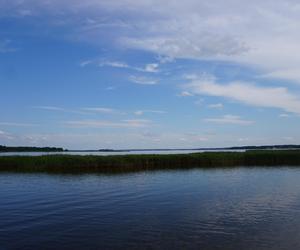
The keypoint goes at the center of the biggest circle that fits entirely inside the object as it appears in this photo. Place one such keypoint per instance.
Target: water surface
(104, 153)
(240, 208)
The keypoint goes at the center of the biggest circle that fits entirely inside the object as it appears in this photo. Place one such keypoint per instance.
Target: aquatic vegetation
(131, 163)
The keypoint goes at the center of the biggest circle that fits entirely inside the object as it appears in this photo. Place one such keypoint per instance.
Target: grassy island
(131, 163)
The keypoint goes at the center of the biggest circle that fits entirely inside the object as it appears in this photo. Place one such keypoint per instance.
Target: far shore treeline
(30, 149)
(76, 164)
(58, 149)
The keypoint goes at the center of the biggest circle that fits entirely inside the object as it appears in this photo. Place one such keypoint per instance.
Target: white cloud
(216, 106)
(185, 94)
(151, 67)
(256, 33)
(244, 139)
(141, 138)
(190, 76)
(137, 123)
(101, 110)
(264, 34)
(291, 74)
(98, 110)
(165, 59)
(50, 108)
(130, 123)
(17, 124)
(143, 80)
(247, 93)
(59, 109)
(200, 102)
(194, 137)
(142, 112)
(260, 33)
(110, 88)
(81, 111)
(207, 46)
(156, 111)
(284, 115)
(139, 112)
(85, 63)
(5, 136)
(114, 64)
(229, 119)
(148, 68)
(288, 138)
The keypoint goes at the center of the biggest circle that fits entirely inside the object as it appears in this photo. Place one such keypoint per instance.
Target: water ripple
(219, 209)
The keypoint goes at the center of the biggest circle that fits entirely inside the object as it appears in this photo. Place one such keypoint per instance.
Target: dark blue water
(241, 208)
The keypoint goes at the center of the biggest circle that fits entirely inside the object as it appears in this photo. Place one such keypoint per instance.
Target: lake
(238, 208)
(105, 153)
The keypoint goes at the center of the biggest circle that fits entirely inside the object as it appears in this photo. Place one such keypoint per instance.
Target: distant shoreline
(6, 149)
(132, 163)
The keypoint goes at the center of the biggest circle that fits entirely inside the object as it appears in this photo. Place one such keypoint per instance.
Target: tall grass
(129, 163)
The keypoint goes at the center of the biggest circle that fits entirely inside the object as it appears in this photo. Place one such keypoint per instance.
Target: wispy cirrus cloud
(102, 110)
(247, 93)
(99, 110)
(50, 108)
(61, 110)
(147, 68)
(229, 119)
(284, 115)
(216, 106)
(114, 64)
(111, 88)
(251, 33)
(142, 112)
(185, 94)
(130, 123)
(17, 124)
(143, 80)
(84, 111)
(5, 135)
(85, 63)
(254, 32)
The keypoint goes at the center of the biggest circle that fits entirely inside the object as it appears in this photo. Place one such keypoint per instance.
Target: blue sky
(149, 73)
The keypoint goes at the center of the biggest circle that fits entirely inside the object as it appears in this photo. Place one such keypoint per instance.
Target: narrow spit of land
(134, 163)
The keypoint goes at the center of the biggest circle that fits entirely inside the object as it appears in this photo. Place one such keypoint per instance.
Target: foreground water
(241, 208)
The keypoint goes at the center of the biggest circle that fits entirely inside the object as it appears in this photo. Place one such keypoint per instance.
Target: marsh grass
(134, 163)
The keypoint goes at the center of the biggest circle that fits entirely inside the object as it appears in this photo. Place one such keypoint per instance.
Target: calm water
(241, 208)
(133, 152)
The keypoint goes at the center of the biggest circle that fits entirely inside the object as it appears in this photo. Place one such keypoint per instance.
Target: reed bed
(132, 163)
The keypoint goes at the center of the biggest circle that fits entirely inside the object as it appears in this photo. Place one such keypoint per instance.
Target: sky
(149, 74)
